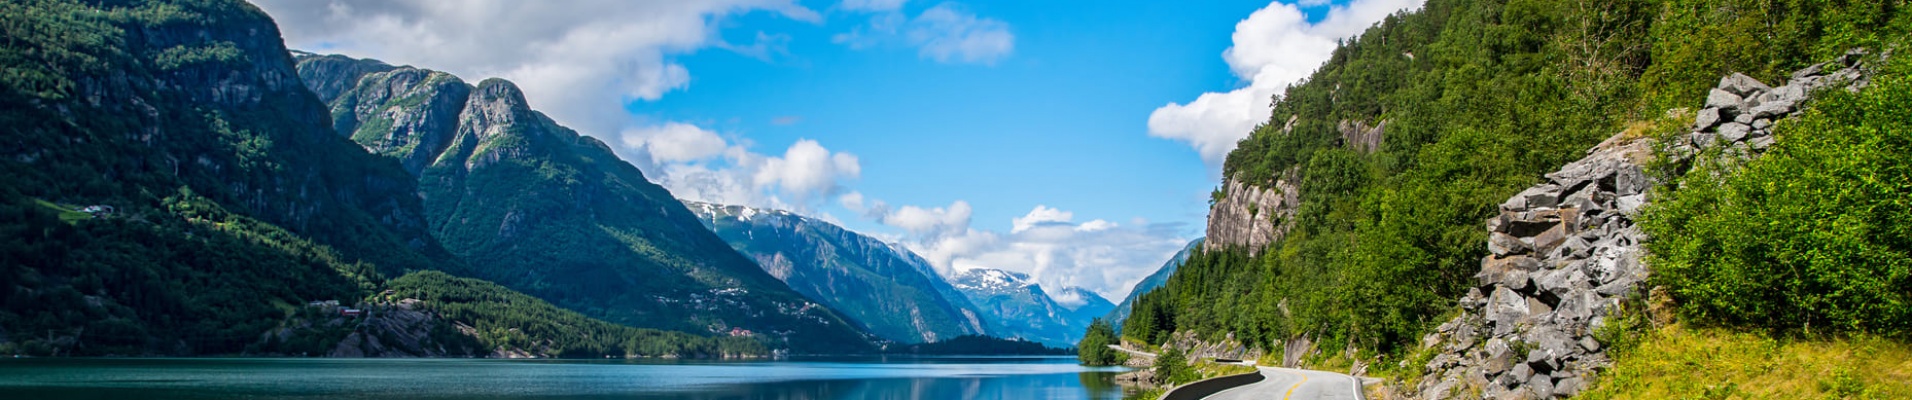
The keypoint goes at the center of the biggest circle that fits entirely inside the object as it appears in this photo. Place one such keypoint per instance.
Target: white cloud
(1098, 255)
(578, 60)
(675, 142)
(808, 170)
(1273, 48)
(946, 33)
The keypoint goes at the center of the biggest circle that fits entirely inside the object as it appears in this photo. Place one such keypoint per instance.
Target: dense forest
(1479, 98)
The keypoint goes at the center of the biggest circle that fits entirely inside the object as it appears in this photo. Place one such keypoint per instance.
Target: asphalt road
(1126, 350)
(1294, 384)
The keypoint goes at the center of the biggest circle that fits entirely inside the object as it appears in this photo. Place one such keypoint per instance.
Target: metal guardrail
(1204, 388)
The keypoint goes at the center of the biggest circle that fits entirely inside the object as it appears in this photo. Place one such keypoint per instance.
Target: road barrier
(1204, 388)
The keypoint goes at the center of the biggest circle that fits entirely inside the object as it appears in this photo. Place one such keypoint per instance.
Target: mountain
(885, 288)
(1154, 280)
(1018, 307)
(1088, 304)
(541, 209)
(170, 187)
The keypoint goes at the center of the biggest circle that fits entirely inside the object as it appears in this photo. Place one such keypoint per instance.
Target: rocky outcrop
(1251, 217)
(1197, 349)
(1566, 252)
(403, 329)
(1359, 136)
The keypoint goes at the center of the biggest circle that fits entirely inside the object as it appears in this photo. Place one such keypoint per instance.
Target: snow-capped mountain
(1021, 308)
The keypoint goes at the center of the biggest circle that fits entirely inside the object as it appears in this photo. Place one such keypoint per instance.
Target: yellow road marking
(1291, 389)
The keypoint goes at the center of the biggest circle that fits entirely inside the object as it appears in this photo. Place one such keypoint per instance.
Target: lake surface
(838, 378)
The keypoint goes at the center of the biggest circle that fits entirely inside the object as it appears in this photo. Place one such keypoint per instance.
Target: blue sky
(1061, 121)
(1074, 141)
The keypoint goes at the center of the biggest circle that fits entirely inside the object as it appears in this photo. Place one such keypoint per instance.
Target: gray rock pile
(1567, 251)
(1739, 114)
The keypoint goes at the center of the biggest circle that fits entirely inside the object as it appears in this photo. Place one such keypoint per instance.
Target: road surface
(1134, 352)
(1295, 384)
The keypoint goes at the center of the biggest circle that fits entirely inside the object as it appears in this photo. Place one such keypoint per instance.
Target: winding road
(1287, 384)
(1295, 384)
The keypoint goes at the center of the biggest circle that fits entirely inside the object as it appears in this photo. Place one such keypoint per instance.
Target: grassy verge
(67, 214)
(1714, 363)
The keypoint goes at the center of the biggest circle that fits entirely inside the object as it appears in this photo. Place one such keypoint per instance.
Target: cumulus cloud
(1098, 255)
(946, 33)
(675, 142)
(1273, 48)
(578, 60)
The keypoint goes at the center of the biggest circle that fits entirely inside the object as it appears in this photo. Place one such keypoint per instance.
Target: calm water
(908, 378)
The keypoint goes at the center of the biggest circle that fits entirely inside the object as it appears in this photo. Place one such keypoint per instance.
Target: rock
(1723, 100)
(1561, 282)
(1761, 143)
(1744, 118)
(1510, 271)
(1521, 373)
(1504, 308)
(1760, 125)
(1541, 386)
(1576, 307)
(1772, 109)
(1551, 238)
(1500, 357)
(1474, 299)
(1630, 204)
(1543, 196)
(1568, 387)
(1573, 248)
(1704, 139)
(1537, 308)
(1741, 85)
(1707, 118)
(1808, 72)
(1734, 131)
(1589, 344)
(1502, 244)
(1630, 180)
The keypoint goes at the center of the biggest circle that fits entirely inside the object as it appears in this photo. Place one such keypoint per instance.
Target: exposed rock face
(1566, 252)
(1252, 217)
(1227, 348)
(1358, 136)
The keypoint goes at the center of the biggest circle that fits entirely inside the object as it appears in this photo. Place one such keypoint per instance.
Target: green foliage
(1809, 237)
(179, 57)
(1094, 347)
(504, 319)
(1480, 98)
(1172, 368)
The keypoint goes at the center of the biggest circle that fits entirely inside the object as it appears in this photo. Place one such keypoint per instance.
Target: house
(351, 312)
(98, 210)
(739, 332)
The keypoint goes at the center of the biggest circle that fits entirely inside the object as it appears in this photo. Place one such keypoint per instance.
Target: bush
(1094, 347)
(1171, 368)
(1810, 237)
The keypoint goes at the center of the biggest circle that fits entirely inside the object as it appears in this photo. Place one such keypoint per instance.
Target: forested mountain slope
(541, 209)
(186, 121)
(168, 186)
(887, 289)
(1398, 148)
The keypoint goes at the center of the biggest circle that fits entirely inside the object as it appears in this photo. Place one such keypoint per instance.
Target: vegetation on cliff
(1479, 98)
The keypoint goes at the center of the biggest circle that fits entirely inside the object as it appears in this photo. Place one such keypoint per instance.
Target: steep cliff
(555, 214)
(1251, 217)
(866, 279)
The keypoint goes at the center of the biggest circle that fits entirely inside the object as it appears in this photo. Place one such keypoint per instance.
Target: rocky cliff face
(865, 278)
(1566, 252)
(1252, 217)
(556, 214)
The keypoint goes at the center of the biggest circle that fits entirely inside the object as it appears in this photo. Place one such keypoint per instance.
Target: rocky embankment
(1566, 252)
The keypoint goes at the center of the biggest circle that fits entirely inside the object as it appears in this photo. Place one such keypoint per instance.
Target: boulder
(1543, 196)
(1721, 99)
(1510, 271)
(1541, 386)
(1500, 357)
(1504, 308)
(1772, 109)
(1568, 387)
(1741, 85)
(1502, 244)
(1734, 131)
(1708, 117)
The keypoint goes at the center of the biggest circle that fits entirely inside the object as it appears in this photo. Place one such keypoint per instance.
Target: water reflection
(913, 378)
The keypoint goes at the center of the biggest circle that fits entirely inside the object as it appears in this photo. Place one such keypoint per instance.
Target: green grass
(67, 214)
(1717, 363)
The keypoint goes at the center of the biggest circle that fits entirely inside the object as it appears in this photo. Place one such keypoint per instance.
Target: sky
(1073, 141)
